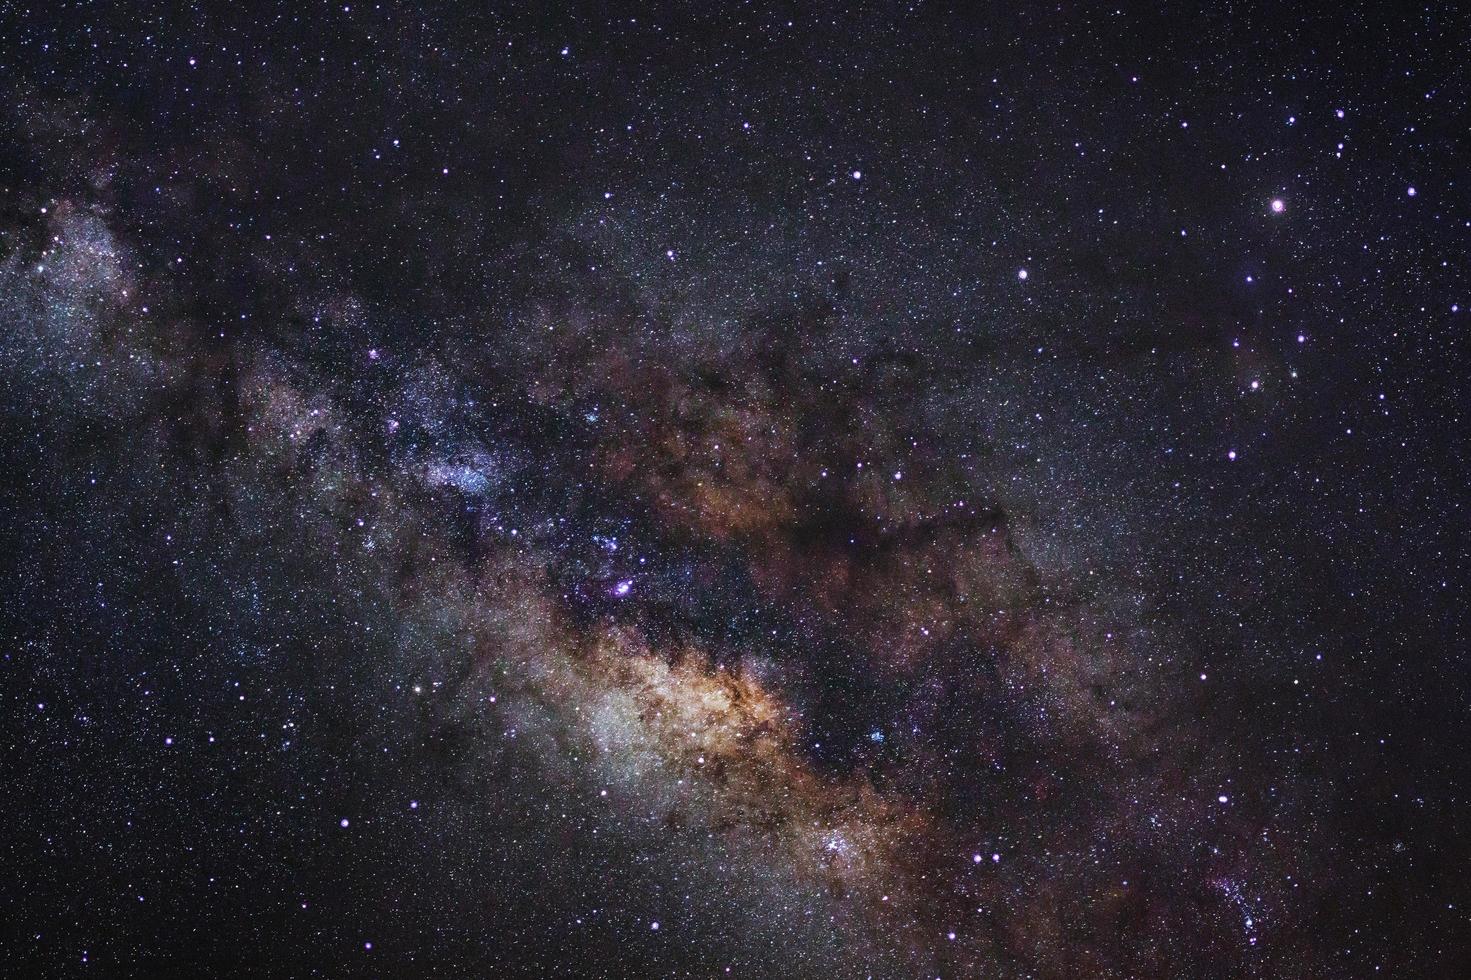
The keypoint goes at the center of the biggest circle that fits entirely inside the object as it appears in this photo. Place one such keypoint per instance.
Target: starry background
(797, 490)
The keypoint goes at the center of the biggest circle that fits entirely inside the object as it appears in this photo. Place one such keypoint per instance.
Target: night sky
(809, 490)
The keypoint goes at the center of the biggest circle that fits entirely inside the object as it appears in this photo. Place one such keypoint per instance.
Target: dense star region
(818, 491)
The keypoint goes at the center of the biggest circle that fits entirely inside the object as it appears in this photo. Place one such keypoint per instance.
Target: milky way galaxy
(861, 491)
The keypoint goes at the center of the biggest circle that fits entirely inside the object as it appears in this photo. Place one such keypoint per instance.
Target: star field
(853, 490)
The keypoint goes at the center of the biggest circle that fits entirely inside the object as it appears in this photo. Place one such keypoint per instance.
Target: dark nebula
(732, 490)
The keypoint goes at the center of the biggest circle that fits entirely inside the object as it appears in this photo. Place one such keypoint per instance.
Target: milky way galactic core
(854, 490)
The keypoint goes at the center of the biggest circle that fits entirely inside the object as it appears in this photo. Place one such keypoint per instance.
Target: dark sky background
(734, 490)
